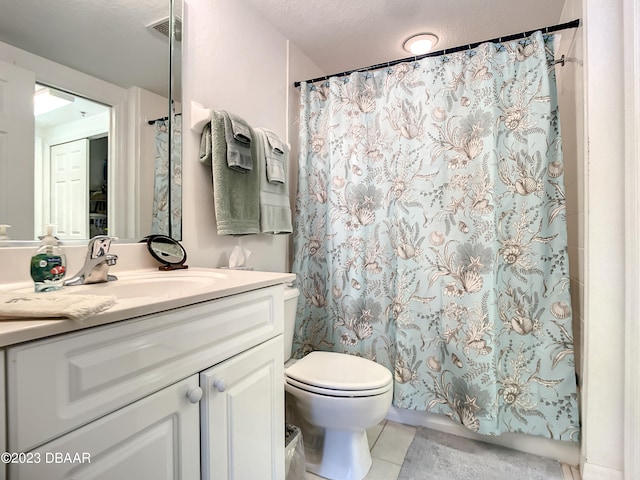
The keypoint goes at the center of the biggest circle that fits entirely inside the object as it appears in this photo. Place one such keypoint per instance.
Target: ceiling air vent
(162, 27)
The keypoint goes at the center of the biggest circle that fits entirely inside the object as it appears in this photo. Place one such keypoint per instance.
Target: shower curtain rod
(161, 119)
(515, 36)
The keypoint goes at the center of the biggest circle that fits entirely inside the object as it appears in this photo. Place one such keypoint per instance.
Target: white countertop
(230, 282)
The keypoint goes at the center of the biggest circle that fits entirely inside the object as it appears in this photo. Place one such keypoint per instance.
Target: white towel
(52, 305)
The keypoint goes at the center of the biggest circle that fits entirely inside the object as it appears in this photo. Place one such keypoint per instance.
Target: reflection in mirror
(167, 251)
(167, 196)
(71, 46)
(70, 164)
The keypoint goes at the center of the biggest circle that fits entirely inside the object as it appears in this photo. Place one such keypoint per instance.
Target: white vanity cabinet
(193, 392)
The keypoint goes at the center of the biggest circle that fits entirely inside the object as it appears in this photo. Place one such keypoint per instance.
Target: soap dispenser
(48, 264)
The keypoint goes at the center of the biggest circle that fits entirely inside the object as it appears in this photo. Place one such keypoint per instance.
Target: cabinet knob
(194, 395)
(220, 385)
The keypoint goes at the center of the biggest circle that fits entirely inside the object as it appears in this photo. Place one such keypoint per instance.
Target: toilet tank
(290, 307)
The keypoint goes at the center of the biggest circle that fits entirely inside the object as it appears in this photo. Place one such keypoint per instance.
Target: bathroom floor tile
(570, 472)
(312, 476)
(389, 442)
(380, 470)
(393, 442)
(383, 470)
(373, 433)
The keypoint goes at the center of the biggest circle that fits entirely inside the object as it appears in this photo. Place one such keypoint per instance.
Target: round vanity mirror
(167, 251)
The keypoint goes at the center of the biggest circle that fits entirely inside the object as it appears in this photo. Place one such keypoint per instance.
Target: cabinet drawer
(58, 384)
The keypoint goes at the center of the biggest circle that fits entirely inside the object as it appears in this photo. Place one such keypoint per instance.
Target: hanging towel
(275, 208)
(238, 137)
(52, 305)
(205, 144)
(274, 152)
(236, 195)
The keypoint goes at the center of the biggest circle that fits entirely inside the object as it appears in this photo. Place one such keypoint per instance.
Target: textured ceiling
(109, 38)
(339, 35)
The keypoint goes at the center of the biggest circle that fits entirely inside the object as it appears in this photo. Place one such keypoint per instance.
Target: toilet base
(345, 456)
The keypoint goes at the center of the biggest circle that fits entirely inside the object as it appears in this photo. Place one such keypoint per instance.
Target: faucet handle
(100, 244)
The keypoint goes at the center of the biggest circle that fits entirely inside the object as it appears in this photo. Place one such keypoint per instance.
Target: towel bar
(199, 117)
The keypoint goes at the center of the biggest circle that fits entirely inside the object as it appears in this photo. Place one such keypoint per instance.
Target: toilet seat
(328, 392)
(339, 375)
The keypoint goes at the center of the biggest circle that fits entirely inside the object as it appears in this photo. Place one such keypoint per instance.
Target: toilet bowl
(334, 398)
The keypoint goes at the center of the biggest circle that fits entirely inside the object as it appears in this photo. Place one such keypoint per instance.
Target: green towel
(236, 195)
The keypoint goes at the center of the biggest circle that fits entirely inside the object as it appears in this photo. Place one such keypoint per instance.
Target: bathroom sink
(173, 284)
(144, 284)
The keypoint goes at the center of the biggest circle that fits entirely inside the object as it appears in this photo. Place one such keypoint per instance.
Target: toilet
(334, 398)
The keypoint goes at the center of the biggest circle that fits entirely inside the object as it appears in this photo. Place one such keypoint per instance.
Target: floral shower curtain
(431, 235)
(164, 179)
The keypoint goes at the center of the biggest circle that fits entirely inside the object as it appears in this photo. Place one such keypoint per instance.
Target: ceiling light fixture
(47, 99)
(420, 44)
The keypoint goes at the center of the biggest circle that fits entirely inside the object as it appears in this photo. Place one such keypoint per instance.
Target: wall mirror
(115, 66)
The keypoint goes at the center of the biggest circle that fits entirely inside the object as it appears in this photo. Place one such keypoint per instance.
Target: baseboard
(591, 471)
(563, 452)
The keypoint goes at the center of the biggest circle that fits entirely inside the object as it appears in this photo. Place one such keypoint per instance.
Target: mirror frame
(170, 114)
(151, 240)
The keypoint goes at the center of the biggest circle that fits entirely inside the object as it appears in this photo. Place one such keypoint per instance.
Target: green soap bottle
(48, 264)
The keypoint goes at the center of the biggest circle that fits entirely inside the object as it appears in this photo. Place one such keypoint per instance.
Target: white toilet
(334, 398)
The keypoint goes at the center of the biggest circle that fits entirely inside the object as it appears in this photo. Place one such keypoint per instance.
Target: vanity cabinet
(193, 392)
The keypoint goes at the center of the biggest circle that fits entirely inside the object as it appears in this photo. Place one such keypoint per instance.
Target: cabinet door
(156, 437)
(3, 424)
(243, 416)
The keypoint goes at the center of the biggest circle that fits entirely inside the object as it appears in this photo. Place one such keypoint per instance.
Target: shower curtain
(430, 235)
(165, 179)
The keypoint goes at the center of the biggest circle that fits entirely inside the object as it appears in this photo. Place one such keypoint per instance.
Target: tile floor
(389, 442)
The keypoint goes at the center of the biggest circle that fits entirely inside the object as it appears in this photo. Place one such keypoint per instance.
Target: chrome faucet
(96, 263)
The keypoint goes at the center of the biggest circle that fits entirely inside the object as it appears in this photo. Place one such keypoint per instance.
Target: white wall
(300, 68)
(603, 363)
(632, 239)
(232, 60)
(571, 104)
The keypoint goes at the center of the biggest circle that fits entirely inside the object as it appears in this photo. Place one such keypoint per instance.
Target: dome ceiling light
(420, 44)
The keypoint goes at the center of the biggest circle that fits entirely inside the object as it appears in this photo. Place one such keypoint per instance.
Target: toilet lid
(340, 372)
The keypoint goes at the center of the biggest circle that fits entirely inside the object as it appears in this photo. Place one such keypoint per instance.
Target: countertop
(229, 282)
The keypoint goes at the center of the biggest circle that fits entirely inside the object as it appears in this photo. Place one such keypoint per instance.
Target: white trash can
(294, 453)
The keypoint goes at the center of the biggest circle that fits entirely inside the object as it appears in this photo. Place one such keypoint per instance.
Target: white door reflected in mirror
(70, 165)
(69, 196)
